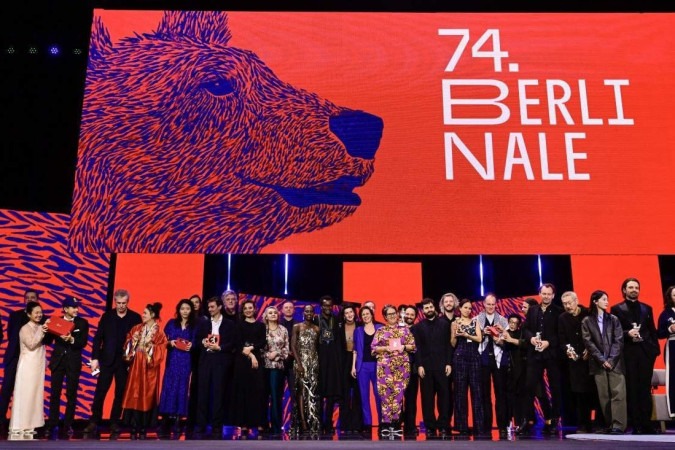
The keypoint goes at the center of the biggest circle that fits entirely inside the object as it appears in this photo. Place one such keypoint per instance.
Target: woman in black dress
(249, 384)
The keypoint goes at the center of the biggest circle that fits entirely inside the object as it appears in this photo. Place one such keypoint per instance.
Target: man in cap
(66, 361)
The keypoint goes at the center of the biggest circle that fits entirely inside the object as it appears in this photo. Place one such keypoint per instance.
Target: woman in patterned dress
(465, 336)
(275, 354)
(391, 346)
(304, 343)
(145, 350)
(173, 403)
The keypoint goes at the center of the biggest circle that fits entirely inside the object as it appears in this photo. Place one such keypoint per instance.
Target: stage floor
(581, 441)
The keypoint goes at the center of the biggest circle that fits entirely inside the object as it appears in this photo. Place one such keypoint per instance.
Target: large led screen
(377, 133)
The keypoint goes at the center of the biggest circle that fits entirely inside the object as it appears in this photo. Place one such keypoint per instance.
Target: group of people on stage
(223, 366)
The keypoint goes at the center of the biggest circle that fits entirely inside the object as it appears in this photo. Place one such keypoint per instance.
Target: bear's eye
(219, 87)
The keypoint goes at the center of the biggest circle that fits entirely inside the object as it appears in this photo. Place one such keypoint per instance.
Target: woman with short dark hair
(391, 345)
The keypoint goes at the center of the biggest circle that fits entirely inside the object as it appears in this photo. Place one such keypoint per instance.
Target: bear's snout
(359, 131)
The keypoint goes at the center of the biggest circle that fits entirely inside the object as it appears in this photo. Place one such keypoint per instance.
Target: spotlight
(54, 50)
(32, 50)
(11, 50)
(77, 51)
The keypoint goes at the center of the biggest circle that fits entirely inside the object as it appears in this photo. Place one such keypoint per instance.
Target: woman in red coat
(144, 350)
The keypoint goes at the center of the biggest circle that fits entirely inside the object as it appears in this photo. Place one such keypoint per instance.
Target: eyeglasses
(391, 314)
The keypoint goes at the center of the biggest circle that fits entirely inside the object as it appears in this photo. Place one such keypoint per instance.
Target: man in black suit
(433, 361)
(541, 331)
(66, 360)
(17, 319)
(640, 351)
(106, 355)
(215, 363)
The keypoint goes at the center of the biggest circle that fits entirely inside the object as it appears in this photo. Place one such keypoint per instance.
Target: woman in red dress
(144, 350)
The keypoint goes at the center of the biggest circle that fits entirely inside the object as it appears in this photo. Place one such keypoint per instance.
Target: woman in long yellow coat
(144, 350)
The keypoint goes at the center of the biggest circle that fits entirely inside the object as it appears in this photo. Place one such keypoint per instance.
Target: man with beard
(571, 344)
(494, 364)
(433, 361)
(410, 395)
(640, 349)
(447, 306)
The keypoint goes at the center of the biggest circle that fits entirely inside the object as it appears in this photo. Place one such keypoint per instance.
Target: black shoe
(65, 433)
(431, 432)
(133, 435)
(525, 429)
(503, 433)
(90, 431)
(550, 429)
(649, 430)
(615, 431)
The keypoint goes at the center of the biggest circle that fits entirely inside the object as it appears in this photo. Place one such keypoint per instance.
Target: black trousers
(193, 393)
(7, 387)
(69, 367)
(535, 375)
(410, 400)
(119, 372)
(214, 378)
(351, 417)
(434, 386)
(639, 369)
(493, 377)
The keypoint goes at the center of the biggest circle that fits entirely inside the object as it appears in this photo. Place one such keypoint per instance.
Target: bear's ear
(100, 43)
(208, 27)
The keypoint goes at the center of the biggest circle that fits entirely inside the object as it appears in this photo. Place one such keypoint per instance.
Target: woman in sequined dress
(304, 345)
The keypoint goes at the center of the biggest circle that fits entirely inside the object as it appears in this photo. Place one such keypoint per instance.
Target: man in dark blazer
(17, 319)
(541, 332)
(640, 351)
(106, 355)
(66, 360)
(433, 365)
(603, 339)
(215, 363)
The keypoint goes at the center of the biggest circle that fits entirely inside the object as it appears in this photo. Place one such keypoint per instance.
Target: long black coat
(569, 332)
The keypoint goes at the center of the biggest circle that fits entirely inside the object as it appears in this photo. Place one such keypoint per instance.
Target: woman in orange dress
(144, 350)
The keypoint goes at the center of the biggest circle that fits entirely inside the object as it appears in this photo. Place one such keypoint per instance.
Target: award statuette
(395, 345)
(538, 347)
(572, 353)
(638, 338)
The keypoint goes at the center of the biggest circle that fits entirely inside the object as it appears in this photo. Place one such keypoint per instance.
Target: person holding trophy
(391, 345)
(641, 348)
